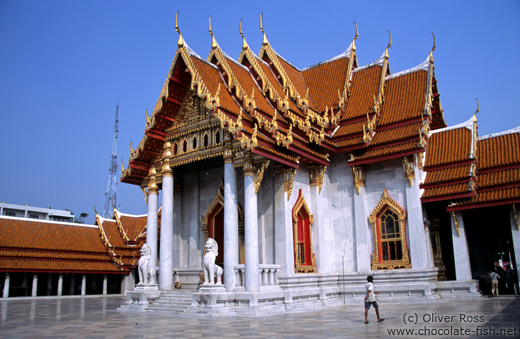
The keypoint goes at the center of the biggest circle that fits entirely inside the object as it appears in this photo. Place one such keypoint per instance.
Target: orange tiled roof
(396, 134)
(276, 85)
(502, 150)
(295, 75)
(30, 245)
(405, 97)
(365, 85)
(389, 150)
(131, 227)
(448, 147)
(448, 174)
(324, 81)
(504, 177)
(247, 83)
(121, 252)
(447, 191)
(211, 77)
(489, 198)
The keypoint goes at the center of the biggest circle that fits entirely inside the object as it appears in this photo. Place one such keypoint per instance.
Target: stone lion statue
(210, 269)
(146, 274)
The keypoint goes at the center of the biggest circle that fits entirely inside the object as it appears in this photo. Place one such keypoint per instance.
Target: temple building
(308, 180)
(52, 258)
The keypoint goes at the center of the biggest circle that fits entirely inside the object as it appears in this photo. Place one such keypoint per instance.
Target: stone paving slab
(97, 318)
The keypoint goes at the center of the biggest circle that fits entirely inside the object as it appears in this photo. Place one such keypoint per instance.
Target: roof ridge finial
(433, 48)
(355, 38)
(264, 41)
(389, 45)
(213, 42)
(180, 42)
(244, 43)
(478, 108)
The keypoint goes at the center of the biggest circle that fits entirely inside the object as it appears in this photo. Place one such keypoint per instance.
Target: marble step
(175, 302)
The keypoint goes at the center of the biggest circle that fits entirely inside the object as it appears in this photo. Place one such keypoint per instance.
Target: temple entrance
(216, 231)
(212, 224)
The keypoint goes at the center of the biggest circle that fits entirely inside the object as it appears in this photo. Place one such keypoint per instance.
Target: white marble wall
(284, 255)
(322, 231)
(419, 247)
(460, 249)
(266, 217)
(341, 190)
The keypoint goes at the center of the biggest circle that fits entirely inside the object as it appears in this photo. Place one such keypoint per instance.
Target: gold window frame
(298, 267)
(385, 203)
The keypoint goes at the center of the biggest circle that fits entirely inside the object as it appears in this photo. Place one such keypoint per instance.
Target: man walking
(370, 299)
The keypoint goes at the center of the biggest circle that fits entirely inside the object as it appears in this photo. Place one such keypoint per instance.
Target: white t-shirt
(371, 296)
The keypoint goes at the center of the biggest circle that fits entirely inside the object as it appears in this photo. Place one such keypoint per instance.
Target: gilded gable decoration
(359, 177)
(259, 175)
(316, 173)
(388, 221)
(409, 169)
(288, 178)
(456, 222)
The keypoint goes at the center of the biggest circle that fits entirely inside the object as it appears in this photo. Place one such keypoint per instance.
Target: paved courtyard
(96, 317)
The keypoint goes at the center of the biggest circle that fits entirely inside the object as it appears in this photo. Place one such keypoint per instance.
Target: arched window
(194, 143)
(389, 231)
(184, 146)
(206, 140)
(175, 149)
(217, 138)
(302, 232)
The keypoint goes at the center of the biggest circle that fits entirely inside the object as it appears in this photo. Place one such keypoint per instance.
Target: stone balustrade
(268, 274)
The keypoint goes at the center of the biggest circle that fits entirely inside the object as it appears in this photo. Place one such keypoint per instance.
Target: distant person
(494, 277)
(370, 299)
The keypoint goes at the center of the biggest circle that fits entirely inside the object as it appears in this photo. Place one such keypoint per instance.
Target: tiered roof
(39, 246)
(293, 115)
(498, 173)
(451, 163)
(113, 246)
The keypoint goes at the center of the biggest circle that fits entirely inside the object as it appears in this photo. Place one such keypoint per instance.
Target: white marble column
(460, 247)
(362, 228)
(166, 249)
(323, 244)
(83, 284)
(7, 282)
(60, 285)
(515, 235)
(230, 224)
(34, 286)
(252, 275)
(105, 284)
(415, 224)
(151, 219)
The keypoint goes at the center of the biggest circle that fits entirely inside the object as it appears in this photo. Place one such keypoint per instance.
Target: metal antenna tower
(110, 194)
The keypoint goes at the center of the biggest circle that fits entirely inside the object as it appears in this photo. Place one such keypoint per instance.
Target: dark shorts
(373, 303)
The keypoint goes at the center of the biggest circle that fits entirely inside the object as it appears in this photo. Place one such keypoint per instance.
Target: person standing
(493, 276)
(370, 299)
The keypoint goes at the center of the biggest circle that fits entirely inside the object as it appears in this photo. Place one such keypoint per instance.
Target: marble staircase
(171, 302)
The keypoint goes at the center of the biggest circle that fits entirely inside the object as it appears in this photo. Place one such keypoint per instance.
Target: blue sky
(65, 64)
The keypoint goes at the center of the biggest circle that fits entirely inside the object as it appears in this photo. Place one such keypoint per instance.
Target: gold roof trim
(343, 97)
(232, 79)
